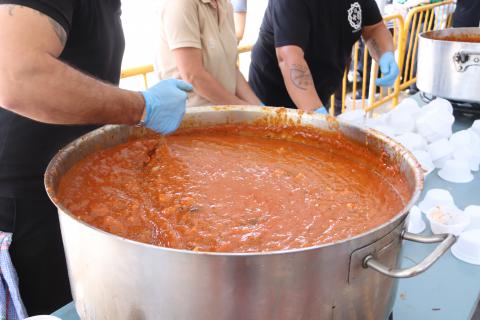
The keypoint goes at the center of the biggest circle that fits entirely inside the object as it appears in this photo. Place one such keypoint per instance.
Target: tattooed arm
(298, 79)
(36, 84)
(378, 39)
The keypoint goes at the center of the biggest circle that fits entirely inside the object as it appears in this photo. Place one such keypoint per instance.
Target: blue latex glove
(321, 110)
(239, 5)
(389, 69)
(165, 105)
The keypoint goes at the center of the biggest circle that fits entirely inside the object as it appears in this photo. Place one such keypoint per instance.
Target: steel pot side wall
(437, 71)
(114, 278)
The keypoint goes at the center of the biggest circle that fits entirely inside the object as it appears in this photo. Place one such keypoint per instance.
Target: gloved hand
(389, 69)
(321, 110)
(165, 105)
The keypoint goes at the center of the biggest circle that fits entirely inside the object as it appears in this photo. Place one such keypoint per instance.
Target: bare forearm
(209, 88)
(379, 40)
(244, 91)
(299, 82)
(47, 90)
(240, 20)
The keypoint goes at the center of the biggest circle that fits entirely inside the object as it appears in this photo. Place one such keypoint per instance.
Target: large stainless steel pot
(114, 278)
(449, 69)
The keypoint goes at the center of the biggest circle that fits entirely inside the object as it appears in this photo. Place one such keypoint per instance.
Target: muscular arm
(378, 39)
(298, 78)
(244, 91)
(36, 84)
(190, 64)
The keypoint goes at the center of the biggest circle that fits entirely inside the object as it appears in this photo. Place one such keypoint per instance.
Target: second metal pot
(450, 69)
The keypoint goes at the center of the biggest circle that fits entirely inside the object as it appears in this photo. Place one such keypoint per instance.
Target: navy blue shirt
(326, 30)
(467, 14)
(95, 46)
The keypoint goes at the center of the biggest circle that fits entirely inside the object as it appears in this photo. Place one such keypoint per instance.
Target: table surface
(449, 290)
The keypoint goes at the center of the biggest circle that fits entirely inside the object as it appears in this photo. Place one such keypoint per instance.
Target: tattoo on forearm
(301, 76)
(57, 28)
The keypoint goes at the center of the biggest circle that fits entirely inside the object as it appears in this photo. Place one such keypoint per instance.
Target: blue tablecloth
(450, 290)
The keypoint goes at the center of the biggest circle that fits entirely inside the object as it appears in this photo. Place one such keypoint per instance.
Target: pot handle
(466, 59)
(447, 240)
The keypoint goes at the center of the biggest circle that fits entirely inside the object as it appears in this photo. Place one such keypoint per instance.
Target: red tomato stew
(236, 189)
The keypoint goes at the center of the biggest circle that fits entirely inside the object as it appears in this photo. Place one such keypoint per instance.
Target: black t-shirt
(95, 46)
(467, 14)
(326, 30)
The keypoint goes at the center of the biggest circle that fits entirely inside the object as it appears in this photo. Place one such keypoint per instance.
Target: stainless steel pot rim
(270, 110)
(430, 35)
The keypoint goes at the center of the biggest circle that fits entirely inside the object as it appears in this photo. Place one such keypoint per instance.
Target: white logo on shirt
(355, 16)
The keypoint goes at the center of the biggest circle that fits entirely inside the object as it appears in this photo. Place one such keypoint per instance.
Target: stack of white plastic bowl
(428, 133)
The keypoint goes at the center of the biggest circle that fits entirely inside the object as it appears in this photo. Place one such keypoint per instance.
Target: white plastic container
(440, 163)
(425, 160)
(440, 149)
(355, 116)
(476, 127)
(467, 247)
(386, 130)
(402, 119)
(408, 106)
(456, 171)
(466, 154)
(412, 141)
(436, 197)
(439, 104)
(448, 219)
(415, 223)
(474, 213)
(435, 123)
(43, 318)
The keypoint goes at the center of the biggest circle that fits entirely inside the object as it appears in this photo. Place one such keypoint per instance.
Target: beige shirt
(195, 24)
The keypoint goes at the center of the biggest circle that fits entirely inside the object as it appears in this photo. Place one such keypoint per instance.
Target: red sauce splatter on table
(235, 189)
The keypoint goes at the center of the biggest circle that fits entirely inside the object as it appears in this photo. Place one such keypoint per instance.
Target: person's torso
(219, 47)
(95, 46)
(335, 26)
(467, 13)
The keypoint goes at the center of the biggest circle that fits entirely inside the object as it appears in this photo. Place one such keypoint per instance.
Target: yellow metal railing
(405, 36)
(138, 71)
(371, 96)
(435, 16)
